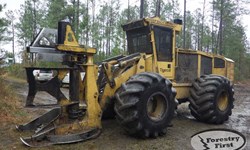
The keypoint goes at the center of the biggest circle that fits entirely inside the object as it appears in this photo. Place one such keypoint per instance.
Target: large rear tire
(211, 99)
(145, 105)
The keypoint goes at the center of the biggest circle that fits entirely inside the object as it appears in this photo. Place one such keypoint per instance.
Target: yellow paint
(182, 90)
(64, 102)
(174, 54)
(165, 71)
(230, 71)
(199, 66)
(69, 48)
(70, 38)
(141, 64)
(122, 78)
(119, 72)
(91, 95)
(149, 63)
(62, 73)
(222, 101)
(71, 44)
(155, 65)
(189, 51)
(219, 71)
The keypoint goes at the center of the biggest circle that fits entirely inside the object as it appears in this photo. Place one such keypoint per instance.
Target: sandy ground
(114, 137)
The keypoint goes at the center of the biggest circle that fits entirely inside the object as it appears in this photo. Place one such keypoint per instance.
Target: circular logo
(218, 139)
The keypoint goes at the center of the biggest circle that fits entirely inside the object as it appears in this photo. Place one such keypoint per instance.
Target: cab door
(164, 51)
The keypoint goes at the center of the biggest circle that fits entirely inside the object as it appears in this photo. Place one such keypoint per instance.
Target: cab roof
(151, 21)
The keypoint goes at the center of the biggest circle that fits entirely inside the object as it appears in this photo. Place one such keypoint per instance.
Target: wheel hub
(222, 101)
(156, 106)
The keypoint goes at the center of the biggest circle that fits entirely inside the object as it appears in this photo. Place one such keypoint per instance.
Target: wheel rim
(156, 106)
(223, 101)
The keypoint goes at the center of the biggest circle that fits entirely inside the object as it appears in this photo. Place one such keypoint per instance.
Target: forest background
(216, 27)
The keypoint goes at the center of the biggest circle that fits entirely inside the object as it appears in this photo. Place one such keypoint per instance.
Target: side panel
(206, 65)
(166, 69)
(182, 90)
(187, 68)
(164, 48)
(192, 64)
(149, 65)
(230, 70)
(219, 66)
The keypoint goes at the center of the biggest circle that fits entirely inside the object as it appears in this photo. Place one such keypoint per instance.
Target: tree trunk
(184, 25)
(158, 8)
(34, 19)
(213, 28)
(173, 10)
(128, 12)
(74, 14)
(202, 25)
(142, 9)
(77, 18)
(13, 41)
(220, 27)
(93, 20)
(87, 29)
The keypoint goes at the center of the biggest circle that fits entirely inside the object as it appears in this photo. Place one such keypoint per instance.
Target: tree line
(215, 27)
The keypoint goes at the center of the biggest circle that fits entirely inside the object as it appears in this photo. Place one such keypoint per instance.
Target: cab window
(139, 41)
(164, 43)
(219, 63)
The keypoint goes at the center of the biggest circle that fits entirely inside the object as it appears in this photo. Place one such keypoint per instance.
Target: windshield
(164, 43)
(139, 41)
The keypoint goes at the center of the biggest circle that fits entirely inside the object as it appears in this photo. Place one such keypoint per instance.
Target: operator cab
(139, 40)
(150, 35)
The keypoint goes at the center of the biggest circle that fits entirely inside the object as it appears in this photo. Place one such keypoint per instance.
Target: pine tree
(30, 21)
(11, 31)
(3, 28)
(231, 39)
(3, 24)
(56, 12)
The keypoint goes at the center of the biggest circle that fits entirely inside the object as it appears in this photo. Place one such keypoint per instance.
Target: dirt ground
(113, 136)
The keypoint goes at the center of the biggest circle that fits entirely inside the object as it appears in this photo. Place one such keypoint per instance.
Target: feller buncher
(142, 88)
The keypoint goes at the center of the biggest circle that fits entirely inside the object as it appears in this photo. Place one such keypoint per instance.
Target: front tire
(145, 105)
(211, 99)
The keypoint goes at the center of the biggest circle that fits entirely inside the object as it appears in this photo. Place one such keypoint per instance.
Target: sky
(191, 6)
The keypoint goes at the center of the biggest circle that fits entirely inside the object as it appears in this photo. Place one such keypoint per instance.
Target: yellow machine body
(169, 69)
(151, 48)
(118, 72)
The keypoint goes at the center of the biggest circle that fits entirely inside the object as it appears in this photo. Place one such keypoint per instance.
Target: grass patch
(16, 70)
(11, 114)
(10, 105)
